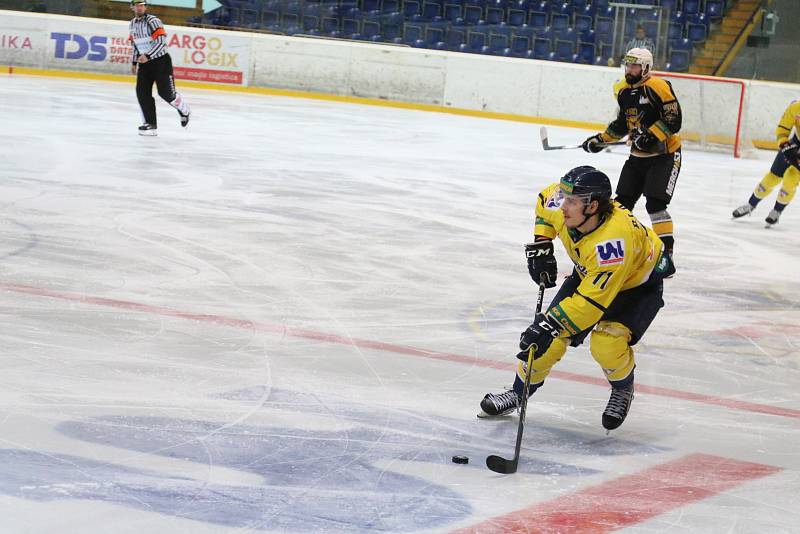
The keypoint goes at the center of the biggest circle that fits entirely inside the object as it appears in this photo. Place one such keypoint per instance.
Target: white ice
(212, 330)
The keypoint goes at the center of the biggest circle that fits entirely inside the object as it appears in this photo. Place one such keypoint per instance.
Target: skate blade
(148, 133)
(484, 415)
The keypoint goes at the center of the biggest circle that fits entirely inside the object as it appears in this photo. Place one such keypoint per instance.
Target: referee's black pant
(157, 70)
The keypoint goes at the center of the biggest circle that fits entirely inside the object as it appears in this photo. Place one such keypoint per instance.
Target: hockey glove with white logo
(541, 334)
(542, 264)
(594, 144)
(643, 139)
(789, 150)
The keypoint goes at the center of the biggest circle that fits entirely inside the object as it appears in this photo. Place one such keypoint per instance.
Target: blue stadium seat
(249, 17)
(431, 11)
(473, 12)
(583, 23)
(310, 24)
(559, 21)
(675, 31)
(586, 53)
(370, 6)
(434, 37)
(351, 28)
(691, 7)
(390, 6)
(560, 8)
(495, 11)
(329, 26)
(697, 33)
(522, 42)
(542, 48)
(679, 61)
(371, 29)
(411, 8)
(517, 17)
(577, 6)
(455, 37)
(564, 50)
(537, 19)
(477, 39)
(715, 10)
(588, 36)
(392, 26)
(604, 28)
(669, 5)
(700, 18)
(682, 44)
(499, 42)
(453, 10)
(414, 34)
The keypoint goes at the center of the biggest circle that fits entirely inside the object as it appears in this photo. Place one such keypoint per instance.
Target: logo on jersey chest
(554, 202)
(610, 252)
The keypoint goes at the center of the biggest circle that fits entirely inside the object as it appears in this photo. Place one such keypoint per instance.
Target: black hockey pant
(159, 71)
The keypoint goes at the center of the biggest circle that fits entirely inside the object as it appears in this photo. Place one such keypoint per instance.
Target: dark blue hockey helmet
(588, 183)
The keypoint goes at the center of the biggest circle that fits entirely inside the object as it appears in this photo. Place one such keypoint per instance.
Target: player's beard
(630, 79)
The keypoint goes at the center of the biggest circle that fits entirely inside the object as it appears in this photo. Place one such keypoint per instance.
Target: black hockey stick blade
(501, 465)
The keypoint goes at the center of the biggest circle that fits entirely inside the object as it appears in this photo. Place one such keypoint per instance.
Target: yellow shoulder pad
(661, 88)
(619, 86)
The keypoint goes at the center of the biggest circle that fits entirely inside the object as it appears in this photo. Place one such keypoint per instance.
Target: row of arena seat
(576, 30)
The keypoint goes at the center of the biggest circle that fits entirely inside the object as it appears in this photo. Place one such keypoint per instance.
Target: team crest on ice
(610, 252)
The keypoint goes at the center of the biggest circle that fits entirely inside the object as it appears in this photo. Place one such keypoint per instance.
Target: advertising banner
(22, 40)
(74, 43)
(209, 56)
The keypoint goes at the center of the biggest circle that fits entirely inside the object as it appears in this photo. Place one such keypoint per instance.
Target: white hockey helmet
(639, 56)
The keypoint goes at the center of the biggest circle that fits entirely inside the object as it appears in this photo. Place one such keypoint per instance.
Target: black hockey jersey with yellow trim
(651, 104)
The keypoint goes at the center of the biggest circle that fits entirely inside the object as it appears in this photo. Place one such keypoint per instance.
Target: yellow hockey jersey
(790, 119)
(619, 254)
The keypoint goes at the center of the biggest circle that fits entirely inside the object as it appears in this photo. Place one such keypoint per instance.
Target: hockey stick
(497, 463)
(547, 146)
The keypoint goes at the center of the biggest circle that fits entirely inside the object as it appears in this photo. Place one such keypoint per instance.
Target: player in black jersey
(153, 64)
(650, 115)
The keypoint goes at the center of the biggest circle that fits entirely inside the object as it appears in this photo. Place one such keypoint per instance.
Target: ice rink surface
(282, 319)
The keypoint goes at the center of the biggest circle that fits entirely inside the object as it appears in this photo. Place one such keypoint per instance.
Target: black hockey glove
(594, 144)
(542, 264)
(541, 333)
(789, 150)
(644, 140)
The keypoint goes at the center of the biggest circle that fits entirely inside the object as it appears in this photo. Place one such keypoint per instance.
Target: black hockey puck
(460, 459)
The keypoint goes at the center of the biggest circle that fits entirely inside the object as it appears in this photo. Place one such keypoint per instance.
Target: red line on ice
(388, 347)
(629, 499)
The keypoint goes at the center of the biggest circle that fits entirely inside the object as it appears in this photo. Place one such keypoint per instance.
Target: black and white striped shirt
(148, 37)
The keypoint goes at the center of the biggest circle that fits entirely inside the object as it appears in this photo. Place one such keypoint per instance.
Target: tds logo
(610, 252)
(94, 49)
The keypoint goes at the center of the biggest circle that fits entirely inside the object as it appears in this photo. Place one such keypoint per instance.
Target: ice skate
(773, 217)
(617, 407)
(147, 129)
(741, 211)
(498, 404)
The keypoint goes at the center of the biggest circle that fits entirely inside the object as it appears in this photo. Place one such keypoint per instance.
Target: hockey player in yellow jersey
(785, 167)
(650, 115)
(613, 294)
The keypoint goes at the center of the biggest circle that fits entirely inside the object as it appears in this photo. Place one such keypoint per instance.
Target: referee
(152, 63)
